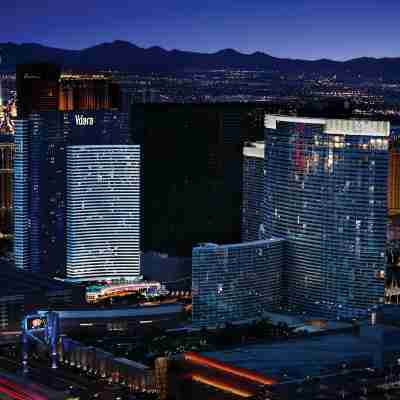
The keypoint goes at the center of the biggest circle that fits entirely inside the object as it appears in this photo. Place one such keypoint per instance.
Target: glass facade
(40, 179)
(326, 193)
(197, 194)
(38, 194)
(21, 195)
(235, 282)
(7, 157)
(253, 191)
(394, 173)
(103, 212)
(47, 193)
(101, 127)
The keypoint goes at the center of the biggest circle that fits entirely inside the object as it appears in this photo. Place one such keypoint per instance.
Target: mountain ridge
(128, 57)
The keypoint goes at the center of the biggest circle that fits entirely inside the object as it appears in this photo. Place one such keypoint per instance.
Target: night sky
(308, 29)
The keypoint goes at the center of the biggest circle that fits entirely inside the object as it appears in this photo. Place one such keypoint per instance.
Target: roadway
(58, 380)
(16, 388)
(63, 381)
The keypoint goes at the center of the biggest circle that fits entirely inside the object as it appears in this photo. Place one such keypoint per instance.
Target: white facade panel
(103, 212)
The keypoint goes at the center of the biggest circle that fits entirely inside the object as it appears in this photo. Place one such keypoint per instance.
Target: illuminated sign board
(81, 120)
(36, 323)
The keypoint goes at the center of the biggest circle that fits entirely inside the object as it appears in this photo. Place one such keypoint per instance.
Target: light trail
(17, 392)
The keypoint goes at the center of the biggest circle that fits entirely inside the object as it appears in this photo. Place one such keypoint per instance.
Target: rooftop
(80, 77)
(335, 126)
(132, 312)
(254, 149)
(131, 363)
(298, 358)
(18, 282)
(314, 355)
(255, 243)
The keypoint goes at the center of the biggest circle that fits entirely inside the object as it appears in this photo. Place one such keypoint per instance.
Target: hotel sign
(81, 120)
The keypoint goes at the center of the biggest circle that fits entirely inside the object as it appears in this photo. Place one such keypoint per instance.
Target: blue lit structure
(325, 193)
(38, 192)
(21, 195)
(40, 179)
(44, 328)
(103, 212)
(236, 282)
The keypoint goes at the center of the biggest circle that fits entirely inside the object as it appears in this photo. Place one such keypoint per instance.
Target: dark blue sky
(287, 28)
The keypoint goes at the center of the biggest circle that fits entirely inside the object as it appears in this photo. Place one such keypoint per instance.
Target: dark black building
(23, 292)
(38, 88)
(192, 172)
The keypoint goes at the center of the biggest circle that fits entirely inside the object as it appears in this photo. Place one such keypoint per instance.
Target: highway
(55, 380)
(59, 383)
(17, 390)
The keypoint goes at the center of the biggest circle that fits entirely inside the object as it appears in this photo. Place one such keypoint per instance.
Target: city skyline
(200, 200)
(143, 220)
(289, 29)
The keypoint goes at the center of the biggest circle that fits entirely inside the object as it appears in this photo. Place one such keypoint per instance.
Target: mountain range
(125, 56)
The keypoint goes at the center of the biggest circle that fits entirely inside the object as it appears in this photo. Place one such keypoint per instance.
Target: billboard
(36, 322)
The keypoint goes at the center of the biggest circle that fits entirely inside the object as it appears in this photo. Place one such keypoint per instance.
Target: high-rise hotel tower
(44, 132)
(197, 194)
(103, 212)
(326, 194)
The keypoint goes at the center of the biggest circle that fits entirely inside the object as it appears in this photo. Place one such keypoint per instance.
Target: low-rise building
(95, 321)
(23, 291)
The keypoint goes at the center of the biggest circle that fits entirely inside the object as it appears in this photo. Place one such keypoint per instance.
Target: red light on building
(222, 385)
(218, 365)
(298, 153)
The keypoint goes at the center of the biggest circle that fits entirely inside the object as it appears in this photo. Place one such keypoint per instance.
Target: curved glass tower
(103, 212)
(325, 192)
(236, 281)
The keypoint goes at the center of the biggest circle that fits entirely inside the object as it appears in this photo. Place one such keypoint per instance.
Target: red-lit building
(88, 92)
(42, 87)
(394, 181)
(7, 154)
